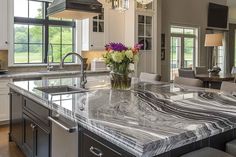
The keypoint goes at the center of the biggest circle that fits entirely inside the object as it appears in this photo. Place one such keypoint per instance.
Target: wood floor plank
(8, 149)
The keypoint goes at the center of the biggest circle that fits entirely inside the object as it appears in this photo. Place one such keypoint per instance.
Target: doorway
(183, 49)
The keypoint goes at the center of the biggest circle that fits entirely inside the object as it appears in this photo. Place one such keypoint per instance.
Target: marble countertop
(147, 120)
(45, 73)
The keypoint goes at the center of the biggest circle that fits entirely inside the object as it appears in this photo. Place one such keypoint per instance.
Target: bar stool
(148, 77)
(231, 147)
(207, 152)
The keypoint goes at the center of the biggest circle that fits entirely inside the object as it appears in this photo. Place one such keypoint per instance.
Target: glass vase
(120, 81)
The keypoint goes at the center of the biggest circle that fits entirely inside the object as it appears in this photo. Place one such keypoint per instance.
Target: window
(36, 36)
(184, 44)
(145, 32)
(98, 23)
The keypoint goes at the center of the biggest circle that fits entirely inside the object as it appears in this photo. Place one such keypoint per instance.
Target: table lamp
(214, 40)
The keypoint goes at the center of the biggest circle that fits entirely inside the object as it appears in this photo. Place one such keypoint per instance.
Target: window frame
(45, 22)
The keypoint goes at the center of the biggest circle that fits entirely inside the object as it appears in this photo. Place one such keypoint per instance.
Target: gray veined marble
(146, 121)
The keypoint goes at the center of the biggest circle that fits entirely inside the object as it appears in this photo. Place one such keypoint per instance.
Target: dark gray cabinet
(36, 140)
(16, 111)
(28, 136)
(30, 128)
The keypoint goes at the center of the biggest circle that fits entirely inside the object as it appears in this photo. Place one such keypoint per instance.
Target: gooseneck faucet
(49, 63)
(83, 79)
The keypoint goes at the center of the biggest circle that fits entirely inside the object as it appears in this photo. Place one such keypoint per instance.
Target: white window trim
(11, 41)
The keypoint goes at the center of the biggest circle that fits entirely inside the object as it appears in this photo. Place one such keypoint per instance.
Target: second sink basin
(61, 89)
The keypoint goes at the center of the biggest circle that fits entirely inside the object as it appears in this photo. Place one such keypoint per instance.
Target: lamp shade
(212, 40)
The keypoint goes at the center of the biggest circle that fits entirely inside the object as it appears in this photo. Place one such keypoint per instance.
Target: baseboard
(6, 122)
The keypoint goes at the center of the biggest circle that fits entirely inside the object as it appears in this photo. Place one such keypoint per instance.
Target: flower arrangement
(119, 57)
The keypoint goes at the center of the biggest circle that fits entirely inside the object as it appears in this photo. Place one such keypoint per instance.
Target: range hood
(74, 9)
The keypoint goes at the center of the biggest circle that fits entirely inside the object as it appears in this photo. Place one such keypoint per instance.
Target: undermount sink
(61, 89)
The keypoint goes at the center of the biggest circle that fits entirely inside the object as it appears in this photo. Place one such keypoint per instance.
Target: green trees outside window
(35, 35)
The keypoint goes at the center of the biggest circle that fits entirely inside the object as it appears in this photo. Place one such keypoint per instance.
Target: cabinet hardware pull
(33, 126)
(70, 130)
(96, 151)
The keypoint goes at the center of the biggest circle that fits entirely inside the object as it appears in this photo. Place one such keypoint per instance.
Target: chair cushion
(231, 147)
(207, 152)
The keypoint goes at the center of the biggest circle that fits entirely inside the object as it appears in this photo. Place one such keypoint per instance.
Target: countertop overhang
(148, 120)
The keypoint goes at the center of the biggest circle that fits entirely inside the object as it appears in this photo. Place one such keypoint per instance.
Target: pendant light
(120, 5)
(144, 2)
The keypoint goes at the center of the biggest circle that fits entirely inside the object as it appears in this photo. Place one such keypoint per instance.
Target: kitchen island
(149, 120)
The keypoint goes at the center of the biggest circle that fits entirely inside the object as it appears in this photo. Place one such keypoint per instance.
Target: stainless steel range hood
(74, 9)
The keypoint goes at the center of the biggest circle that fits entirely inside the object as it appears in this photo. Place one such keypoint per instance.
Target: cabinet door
(3, 24)
(35, 139)
(42, 143)
(28, 136)
(16, 117)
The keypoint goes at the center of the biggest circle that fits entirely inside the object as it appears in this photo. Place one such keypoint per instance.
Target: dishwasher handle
(68, 129)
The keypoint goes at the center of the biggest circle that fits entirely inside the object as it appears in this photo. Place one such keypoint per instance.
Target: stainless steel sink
(61, 89)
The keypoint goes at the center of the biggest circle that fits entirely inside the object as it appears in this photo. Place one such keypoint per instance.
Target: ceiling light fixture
(144, 2)
(119, 5)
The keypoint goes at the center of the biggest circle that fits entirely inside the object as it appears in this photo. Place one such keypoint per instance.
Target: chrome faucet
(83, 79)
(49, 65)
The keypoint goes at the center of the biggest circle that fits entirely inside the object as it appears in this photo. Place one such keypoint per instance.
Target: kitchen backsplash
(91, 55)
(4, 61)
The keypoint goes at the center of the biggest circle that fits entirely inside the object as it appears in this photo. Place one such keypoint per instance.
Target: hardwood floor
(8, 149)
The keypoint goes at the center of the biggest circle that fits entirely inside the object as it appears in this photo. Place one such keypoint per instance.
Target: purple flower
(138, 46)
(116, 47)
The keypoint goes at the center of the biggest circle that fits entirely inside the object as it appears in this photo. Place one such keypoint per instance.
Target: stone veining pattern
(148, 120)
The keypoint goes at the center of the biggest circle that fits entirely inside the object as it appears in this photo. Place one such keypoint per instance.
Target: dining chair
(228, 87)
(233, 71)
(188, 82)
(149, 77)
(186, 73)
(207, 152)
(201, 70)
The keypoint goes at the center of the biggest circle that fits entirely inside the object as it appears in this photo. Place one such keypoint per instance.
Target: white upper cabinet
(3, 25)
(102, 29)
(93, 33)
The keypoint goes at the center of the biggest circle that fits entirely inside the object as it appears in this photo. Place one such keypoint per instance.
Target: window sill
(40, 65)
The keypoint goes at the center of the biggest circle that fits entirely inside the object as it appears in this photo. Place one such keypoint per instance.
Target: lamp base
(214, 71)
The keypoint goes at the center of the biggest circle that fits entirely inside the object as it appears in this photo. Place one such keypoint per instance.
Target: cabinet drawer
(37, 110)
(95, 148)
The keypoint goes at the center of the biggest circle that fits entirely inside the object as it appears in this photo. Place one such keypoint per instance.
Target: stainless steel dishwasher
(64, 137)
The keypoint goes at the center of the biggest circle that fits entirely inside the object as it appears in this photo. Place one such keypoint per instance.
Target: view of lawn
(29, 38)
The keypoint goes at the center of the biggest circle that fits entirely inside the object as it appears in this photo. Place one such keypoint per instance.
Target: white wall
(185, 12)
(232, 10)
